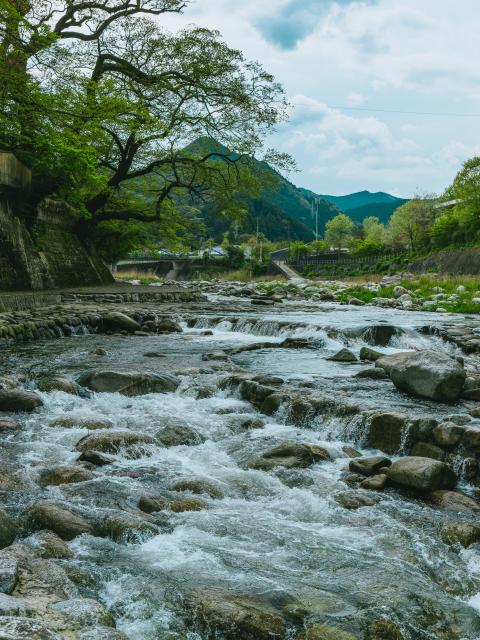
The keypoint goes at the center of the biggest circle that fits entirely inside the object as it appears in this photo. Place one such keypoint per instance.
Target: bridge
(167, 266)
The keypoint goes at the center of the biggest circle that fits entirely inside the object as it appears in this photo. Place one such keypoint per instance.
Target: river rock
(47, 544)
(384, 630)
(372, 374)
(103, 633)
(128, 383)
(421, 429)
(151, 504)
(427, 450)
(370, 354)
(96, 458)
(429, 374)
(325, 632)
(388, 362)
(344, 355)
(454, 501)
(126, 527)
(187, 504)
(369, 466)
(84, 612)
(65, 523)
(447, 435)
(252, 423)
(69, 422)
(19, 400)
(167, 326)
(60, 384)
(177, 435)
(116, 321)
(234, 617)
(10, 606)
(199, 486)
(8, 571)
(20, 628)
(291, 455)
(423, 474)
(8, 529)
(8, 425)
(131, 444)
(65, 475)
(386, 432)
(462, 533)
(375, 483)
(354, 499)
(380, 334)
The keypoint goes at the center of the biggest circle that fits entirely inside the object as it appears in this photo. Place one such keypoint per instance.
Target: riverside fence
(343, 263)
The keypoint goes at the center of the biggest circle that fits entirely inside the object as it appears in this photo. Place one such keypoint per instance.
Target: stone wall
(459, 262)
(48, 256)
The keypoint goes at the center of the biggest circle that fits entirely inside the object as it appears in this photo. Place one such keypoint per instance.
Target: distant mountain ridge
(284, 211)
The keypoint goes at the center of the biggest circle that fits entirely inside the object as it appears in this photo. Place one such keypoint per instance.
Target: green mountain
(281, 210)
(362, 199)
(382, 210)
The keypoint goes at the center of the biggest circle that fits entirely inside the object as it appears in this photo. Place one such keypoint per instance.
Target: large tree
(339, 231)
(109, 107)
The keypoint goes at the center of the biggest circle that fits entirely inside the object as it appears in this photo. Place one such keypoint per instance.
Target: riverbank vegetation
(425, 224)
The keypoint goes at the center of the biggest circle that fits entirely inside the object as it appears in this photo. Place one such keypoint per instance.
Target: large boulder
(429, 374)
(128, 383)
(20, 628)
(424, 474)
(291, 455)
(234, 617)
(386, 431)
(388, 362)
(116, 321)
(19, 400)
(126, 527)
(65, 523)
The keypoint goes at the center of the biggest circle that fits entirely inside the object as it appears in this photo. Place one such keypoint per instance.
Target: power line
(412, 113)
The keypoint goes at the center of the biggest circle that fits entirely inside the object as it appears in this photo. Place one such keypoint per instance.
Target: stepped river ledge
(218, 460)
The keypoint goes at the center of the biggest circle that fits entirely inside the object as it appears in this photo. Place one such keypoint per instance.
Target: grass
(424, 288)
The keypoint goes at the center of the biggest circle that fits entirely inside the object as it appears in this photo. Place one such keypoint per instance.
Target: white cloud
(397, 55)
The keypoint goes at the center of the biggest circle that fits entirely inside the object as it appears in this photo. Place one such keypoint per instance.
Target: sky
(345, 65)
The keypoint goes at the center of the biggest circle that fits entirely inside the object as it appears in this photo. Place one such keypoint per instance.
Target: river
(280, 535)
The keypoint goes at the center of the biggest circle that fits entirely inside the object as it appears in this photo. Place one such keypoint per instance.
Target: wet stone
(8, 571)
(427, 450)
(20, 628)
(198, 486)
(354, 500)
(84, 612)
(369, 466)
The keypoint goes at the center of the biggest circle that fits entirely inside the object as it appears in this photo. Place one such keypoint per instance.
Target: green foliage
(339, 231)
(299, 250)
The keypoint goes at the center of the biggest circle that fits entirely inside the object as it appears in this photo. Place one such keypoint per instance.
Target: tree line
(426, 222)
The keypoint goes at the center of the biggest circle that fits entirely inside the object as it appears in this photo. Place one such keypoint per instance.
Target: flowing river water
(279, 534)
